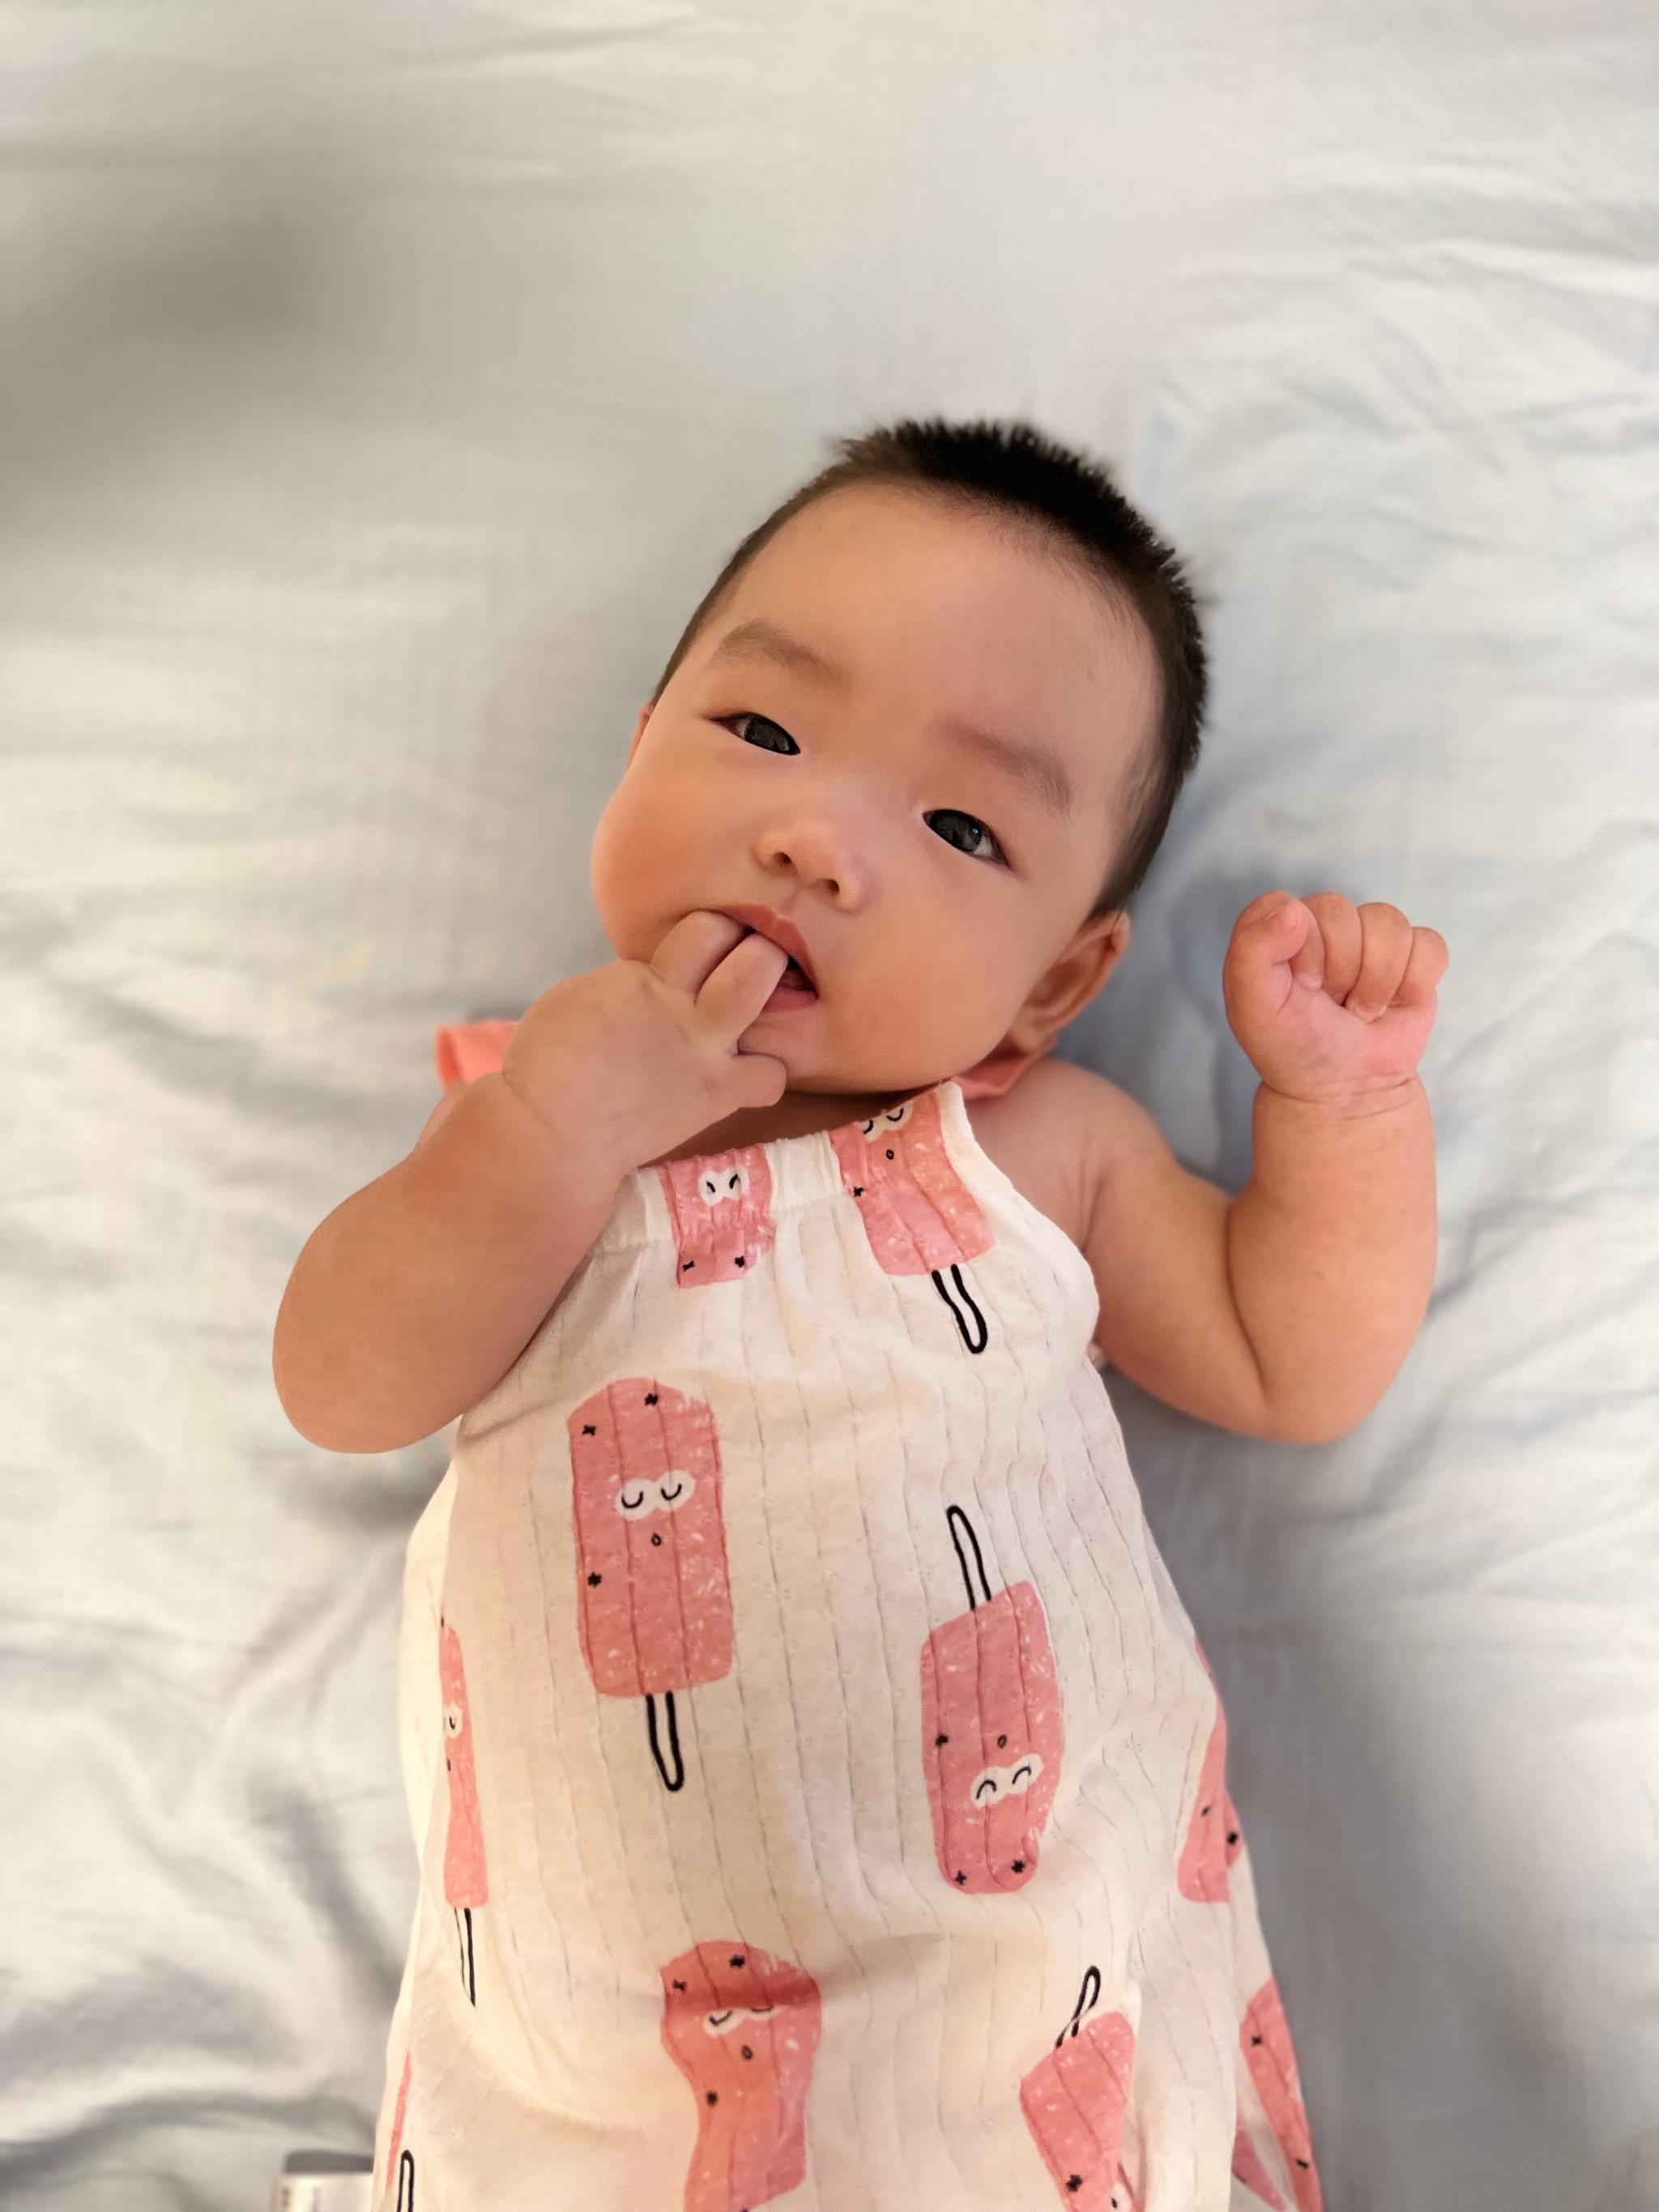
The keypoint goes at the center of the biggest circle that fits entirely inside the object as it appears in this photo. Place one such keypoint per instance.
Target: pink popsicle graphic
(1074, 2101)
(1215, 1837)
(743, 2028)
(991, 1735)
(464, 1884)
(722, 1210)
(1264, 2037)
(392, 2161)
(651, 1577)
(1248, 2169)
(919, 1215)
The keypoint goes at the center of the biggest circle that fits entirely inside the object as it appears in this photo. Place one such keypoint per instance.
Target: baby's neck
(797, 1114)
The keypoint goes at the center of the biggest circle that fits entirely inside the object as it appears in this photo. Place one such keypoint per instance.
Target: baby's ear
(1109, 942)
(1081, 970)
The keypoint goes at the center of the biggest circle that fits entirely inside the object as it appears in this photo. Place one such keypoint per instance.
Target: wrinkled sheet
(379, 390)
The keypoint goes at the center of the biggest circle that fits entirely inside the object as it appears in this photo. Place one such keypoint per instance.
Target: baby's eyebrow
(1040, 768)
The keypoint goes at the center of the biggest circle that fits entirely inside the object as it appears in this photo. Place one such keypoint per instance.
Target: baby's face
(940, 891)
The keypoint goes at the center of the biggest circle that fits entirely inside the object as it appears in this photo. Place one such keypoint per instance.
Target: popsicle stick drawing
(1214, 1836)
(1248, 2169)
(722, 1210)
(465, 1885)
(990, 1734)
(654, 1598)
(405, 2183)
(393, 2164)
(1074, 2101)
(919, 1215)
(1264, 2037)
(743, 2028)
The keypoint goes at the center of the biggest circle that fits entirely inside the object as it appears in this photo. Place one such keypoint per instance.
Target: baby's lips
(788, 957)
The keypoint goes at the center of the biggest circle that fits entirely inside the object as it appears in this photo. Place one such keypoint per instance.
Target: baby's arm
(1286, 1312)
(414, 1297)
(1283, 1312)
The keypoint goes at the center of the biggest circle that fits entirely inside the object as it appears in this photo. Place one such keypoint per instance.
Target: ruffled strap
(466, 1050)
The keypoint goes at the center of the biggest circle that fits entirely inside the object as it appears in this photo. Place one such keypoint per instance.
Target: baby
(833, 1805)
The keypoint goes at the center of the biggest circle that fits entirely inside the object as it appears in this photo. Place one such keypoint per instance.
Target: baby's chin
(835, 1075)
(839, 1043)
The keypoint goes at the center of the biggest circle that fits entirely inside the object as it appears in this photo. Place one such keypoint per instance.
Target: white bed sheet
(379, 389)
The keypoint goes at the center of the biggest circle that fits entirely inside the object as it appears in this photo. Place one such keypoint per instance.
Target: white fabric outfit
(819, 1789)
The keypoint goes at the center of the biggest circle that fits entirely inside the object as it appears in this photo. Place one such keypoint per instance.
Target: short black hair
(1010, 469)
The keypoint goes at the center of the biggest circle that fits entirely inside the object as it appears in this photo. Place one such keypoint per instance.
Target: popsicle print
(1215, 1837)
(394, 2164)
(722, 1210)
(1074, 2101)
(654, 1601)
(991, 1735)
(1248, 2169)
(1264, 2037)
(743, 2028)
(919, 1215)
(466, 1887)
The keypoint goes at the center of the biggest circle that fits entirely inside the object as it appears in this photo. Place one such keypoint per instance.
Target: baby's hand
(1332, 1002)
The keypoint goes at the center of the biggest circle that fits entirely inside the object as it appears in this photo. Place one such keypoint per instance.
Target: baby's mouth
(794, 977)
(792, 980)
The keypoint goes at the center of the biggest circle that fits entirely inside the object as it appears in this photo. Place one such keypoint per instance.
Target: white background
(379, 389)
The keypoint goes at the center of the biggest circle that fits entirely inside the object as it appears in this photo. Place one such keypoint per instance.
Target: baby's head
(935, 712)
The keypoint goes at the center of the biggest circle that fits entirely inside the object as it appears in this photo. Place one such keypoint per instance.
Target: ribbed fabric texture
(819, 1789)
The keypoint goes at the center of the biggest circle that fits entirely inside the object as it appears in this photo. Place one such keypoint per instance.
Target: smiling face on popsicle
(918, 1213)
(650, 1574)
(722, 1210)
(992, 1740)
(1074, 2101)
(743, 2028)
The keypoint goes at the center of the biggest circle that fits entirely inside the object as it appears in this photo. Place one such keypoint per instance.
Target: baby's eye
(976, 827)
(987, 839)
(765, 723)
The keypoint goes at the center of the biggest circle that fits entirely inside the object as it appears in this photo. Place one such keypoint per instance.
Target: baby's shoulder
(1053, 1134)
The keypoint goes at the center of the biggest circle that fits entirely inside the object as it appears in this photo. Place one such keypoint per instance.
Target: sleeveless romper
(819, 1789)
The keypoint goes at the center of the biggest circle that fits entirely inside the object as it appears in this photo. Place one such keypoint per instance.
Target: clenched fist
(1332, 1002)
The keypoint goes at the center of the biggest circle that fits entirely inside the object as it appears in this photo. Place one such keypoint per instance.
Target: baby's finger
(1276, 934)
(1275, 956)
(755, 1078)
(690, 952)
(741, 985)
(1385, 949)
(1425, 969)
(1342, 937)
